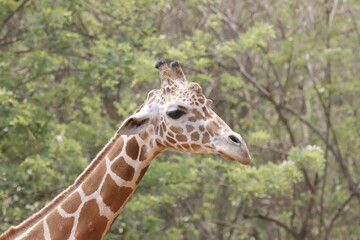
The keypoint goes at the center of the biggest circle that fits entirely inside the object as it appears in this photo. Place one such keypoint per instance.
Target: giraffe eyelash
(176, 114)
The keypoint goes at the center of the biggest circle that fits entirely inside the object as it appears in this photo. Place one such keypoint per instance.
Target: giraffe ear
(134, 125)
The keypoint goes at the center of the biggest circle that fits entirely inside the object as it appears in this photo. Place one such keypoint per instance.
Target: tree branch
(337, 214)
(277, 222)
(7, 19)
(352, 184)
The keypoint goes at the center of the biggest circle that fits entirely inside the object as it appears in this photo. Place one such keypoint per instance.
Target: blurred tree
(282, 73)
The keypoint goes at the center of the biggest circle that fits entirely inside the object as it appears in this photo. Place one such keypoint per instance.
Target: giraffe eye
(175, 114)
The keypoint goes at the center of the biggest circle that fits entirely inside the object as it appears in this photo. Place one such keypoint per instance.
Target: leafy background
(285, 74)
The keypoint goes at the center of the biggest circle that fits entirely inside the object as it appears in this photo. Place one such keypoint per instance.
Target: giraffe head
(179, 117)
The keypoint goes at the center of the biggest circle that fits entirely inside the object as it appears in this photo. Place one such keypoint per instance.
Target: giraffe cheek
(181, 138)
(195, 136)
(176, 130)
(189, 128)
(206, 138)
(213, 128)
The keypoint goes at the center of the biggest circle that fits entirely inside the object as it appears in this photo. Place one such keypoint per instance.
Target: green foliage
(256, 37)
(259, 137)
(283, 74)
(261, 181)
(310, 157)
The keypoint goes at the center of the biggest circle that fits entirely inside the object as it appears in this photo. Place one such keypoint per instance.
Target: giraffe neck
(87, 209)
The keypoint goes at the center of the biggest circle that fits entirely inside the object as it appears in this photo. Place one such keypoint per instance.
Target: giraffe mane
(22, 227)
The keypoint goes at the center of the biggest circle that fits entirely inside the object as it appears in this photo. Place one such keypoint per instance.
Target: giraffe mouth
(242, 160)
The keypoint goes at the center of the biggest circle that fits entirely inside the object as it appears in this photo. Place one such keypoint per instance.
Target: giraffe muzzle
(234, 148)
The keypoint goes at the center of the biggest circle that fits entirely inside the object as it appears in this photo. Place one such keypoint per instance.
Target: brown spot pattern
(171, 140)
(171, 134)
(142, 173)
(195, 147)
(132, 148)
(195, 136)
(206, 112)
(158, 142)
(123, 170)
(113, 195)
(192, 119)
(163, 125)
(189, 128)
(206, 138)
(141, 106)
(181, 138)
(37, 232)
(161, 132)
(201, 128)
(198, 114)
(179, 148)
(143, 153)
(91, 225)
(186, 146)
(176, 130)
(213, 128)
(195, 87)
(92, 183)
(59, 227)
(209, 146)
(144, 135)
(72, 203)
(116, 149)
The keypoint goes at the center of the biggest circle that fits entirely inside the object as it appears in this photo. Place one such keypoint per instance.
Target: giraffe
(175, 117)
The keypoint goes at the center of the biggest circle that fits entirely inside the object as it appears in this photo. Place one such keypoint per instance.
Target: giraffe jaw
(245, 160)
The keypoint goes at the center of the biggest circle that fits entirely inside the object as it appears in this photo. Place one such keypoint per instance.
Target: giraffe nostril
(235, 139)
